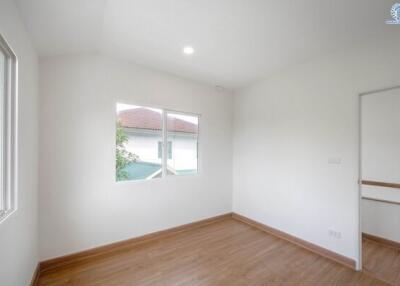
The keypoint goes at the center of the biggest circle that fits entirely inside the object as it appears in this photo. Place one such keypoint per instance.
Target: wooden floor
(223, 253)
(381, 261)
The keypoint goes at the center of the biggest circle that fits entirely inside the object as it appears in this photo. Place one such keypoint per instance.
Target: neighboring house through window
(160, 148)
(144, 130)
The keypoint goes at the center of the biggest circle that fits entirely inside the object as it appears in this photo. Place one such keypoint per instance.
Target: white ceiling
(236, 41)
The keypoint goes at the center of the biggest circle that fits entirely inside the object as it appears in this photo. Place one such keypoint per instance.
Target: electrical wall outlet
(335, 234)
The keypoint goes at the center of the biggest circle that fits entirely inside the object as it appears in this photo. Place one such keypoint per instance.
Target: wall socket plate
(335, 234)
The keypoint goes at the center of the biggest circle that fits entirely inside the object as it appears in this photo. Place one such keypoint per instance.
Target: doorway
(380, 184)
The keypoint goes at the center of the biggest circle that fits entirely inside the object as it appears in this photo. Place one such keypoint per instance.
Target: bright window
(139, 129)
(160, 148)
(8, 142)
(182, 130)
(2, 88)
(141, 134)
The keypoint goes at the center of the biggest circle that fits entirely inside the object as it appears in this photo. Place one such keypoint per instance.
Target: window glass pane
(8, 130)
(138, 142)
(2, 90)
(2, 64)
(182, 132)
(159, 149)
(169, 149)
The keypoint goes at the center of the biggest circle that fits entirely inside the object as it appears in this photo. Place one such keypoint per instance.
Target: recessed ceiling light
(188, 50)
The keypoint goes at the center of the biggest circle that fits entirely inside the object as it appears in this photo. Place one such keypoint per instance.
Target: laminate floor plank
(381, 261)
(227, 252)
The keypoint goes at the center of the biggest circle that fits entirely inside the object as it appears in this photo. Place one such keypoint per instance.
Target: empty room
(199, 142)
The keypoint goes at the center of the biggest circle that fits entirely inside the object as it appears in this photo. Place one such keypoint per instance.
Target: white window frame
(160, 148)
(165, 113)
(164, 137)
(8, 136)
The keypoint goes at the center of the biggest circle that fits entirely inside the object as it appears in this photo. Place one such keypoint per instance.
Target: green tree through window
(123, 157)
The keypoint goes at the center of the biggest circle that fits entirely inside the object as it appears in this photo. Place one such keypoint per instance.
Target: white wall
(380, 159)
(18, 233)
(286, 130)
(81, 206)
(381, 219)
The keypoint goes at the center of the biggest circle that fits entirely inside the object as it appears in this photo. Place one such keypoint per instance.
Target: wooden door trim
(380, 184)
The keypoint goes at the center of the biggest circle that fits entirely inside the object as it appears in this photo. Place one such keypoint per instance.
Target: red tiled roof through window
(143, 118)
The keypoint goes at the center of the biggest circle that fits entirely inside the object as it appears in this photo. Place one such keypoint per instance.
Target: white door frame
(360, 95)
